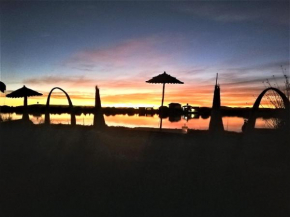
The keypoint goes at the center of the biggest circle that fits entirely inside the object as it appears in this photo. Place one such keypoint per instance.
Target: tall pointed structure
(216, 123)
(99, 121)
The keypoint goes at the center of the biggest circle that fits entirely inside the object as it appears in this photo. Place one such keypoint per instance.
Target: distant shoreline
(204, 112)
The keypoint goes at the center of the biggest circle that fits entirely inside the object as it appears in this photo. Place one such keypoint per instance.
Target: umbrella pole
(163, 95)
(25, 112)
(160, 127)
(161, 110)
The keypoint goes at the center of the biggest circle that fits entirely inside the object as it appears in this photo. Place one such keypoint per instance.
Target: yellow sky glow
(146, 96)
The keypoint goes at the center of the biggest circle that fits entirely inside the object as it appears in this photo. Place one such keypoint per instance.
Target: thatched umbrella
(163, 79)
(2, 87)
(24, 92)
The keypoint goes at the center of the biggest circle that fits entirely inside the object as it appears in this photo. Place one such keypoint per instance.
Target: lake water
(230, 123)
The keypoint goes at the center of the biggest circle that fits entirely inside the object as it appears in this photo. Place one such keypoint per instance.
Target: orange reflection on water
(132, 121)
(196, 124)
(233, 123)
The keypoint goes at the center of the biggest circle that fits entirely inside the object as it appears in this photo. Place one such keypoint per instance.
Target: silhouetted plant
(274, 100)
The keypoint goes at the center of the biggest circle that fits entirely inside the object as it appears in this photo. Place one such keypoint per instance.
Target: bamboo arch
(72, 113)
(252, 120)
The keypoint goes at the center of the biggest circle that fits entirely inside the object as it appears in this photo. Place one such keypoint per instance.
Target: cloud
(239, 85)
(135, 54)
(73, 96)
(240, 11)
(56, 80)
(253, 74)
(85, 83)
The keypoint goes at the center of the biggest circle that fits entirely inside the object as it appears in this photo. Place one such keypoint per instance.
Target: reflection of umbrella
(24, 92)
(2, 87)
(164, 79)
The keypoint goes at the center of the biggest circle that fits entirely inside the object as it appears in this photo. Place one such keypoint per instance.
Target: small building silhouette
(190, 109)
(174, 105)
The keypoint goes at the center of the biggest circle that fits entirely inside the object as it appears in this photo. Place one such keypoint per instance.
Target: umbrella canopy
(23, 92)
(164, 79)
(2, 87)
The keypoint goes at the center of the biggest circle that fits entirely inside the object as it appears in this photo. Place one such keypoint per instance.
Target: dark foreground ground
(78, 172)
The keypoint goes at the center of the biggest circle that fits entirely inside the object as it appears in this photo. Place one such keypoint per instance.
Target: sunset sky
(118, 45)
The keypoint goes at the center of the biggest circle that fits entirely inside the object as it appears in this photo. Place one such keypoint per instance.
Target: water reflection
(192, 121)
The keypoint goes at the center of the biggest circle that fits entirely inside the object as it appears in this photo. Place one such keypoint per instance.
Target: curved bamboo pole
(72, 113)
(252, 120)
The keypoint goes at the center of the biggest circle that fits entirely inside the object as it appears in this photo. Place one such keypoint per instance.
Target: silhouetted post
(216, 123)
(160, 127)
(47, 116)
(99, 121)
(163, 95)
(161, 110)
(72, 116)
(25, 116)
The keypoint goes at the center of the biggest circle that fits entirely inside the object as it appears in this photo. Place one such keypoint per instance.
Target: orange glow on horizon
(126, 101)
(147, 95)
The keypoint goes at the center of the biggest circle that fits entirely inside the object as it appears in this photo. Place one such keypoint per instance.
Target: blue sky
(118, 45)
